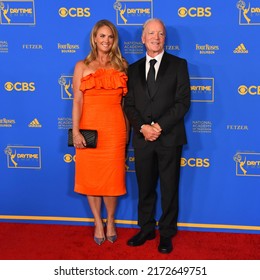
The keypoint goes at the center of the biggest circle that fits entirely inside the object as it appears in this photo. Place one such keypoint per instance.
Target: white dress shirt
(157, 64)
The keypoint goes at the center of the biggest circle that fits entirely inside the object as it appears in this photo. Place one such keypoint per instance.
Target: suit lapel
(143, 77)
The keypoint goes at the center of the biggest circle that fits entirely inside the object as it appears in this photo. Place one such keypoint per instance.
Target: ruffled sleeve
(105, 79)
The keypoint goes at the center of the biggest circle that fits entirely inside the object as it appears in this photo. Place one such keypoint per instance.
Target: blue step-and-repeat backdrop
(40, 42)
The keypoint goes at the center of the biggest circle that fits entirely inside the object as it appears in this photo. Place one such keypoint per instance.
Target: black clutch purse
(89, 135)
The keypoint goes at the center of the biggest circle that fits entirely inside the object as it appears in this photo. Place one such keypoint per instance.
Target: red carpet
(20, 241)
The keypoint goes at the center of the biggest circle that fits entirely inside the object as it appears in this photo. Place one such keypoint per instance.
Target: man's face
(154, 37)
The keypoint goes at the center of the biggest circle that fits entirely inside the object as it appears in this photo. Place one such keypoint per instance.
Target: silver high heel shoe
(99, 240)
(112, 238)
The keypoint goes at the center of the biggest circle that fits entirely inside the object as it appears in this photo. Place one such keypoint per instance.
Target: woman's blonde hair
(117, 61)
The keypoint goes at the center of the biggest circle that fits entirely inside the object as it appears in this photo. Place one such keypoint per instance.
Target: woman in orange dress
(99, 84)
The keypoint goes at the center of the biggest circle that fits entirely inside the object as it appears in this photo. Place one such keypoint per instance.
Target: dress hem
(94, 194)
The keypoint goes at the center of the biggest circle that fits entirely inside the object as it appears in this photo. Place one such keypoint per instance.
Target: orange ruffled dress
(101, 171)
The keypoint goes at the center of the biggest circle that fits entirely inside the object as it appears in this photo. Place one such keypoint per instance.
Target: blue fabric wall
(40, 42)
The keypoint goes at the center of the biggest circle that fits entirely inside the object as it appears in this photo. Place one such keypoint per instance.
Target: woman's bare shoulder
(82, 68)
(80, 64)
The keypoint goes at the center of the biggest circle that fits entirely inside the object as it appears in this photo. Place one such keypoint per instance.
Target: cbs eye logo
(252, 90)
(195, 162)
(68, 158)
(63, 12)
(194, 12)
(19, 86)
(74, 12)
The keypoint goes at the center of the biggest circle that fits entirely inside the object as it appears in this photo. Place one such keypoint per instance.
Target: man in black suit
(158, 99)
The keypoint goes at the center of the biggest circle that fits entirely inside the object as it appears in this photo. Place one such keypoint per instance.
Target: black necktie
(151, 77)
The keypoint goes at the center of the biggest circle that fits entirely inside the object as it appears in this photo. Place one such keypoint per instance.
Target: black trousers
(152, 163)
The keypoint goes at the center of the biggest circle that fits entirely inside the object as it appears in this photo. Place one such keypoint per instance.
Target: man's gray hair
(154, 19)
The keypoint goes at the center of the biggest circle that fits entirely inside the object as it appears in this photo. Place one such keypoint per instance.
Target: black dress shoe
(165, 245)
(140, 238)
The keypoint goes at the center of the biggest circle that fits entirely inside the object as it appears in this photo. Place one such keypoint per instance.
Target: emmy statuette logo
(241, 5)
(5, 12)
(66, 87)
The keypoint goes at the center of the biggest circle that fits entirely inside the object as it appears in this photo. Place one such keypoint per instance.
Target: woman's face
(104, 39)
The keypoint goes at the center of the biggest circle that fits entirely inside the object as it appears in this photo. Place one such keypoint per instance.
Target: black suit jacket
(167, 106)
